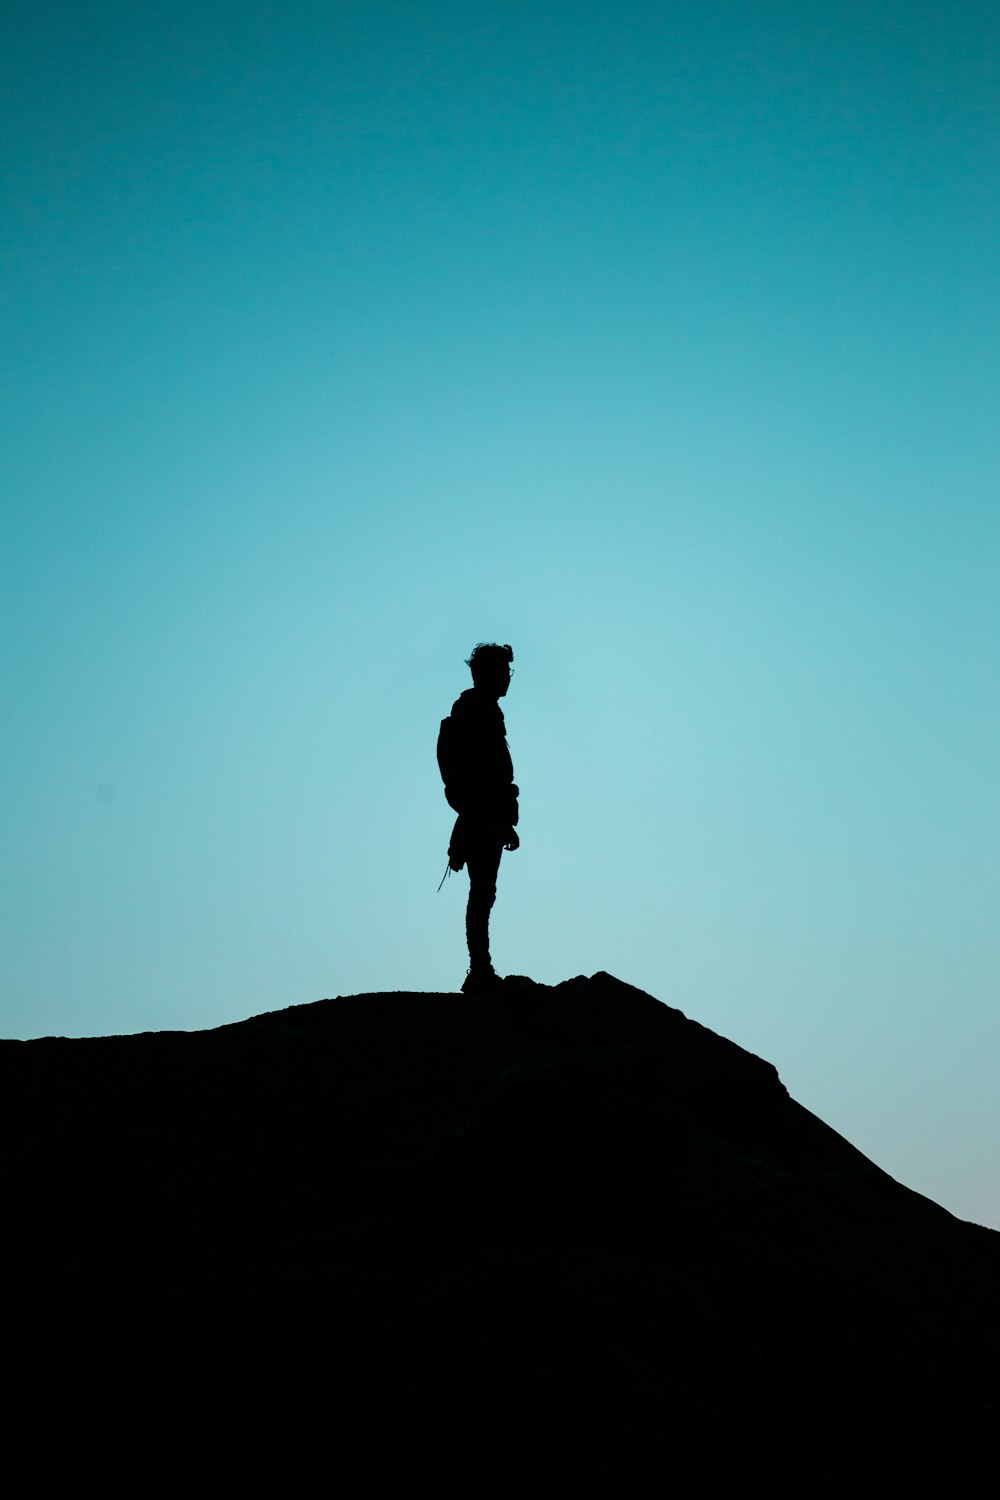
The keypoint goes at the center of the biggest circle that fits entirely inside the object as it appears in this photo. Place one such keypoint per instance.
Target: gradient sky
(659, 340)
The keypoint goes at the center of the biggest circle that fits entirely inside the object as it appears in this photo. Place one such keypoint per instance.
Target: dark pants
(482, 856)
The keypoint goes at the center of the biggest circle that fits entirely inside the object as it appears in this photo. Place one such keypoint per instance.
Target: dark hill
(558, 1238)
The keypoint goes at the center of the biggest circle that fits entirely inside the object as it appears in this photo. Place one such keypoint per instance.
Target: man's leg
(483, 859)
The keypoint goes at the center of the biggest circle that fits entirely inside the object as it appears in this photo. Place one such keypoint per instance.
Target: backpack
(449, 755)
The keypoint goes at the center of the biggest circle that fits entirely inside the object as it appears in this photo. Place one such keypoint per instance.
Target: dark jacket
(475, 761)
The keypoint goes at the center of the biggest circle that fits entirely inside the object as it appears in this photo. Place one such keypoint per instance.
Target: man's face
(497, 680)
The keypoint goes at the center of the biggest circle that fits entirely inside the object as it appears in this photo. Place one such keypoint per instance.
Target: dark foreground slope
(563, 1237)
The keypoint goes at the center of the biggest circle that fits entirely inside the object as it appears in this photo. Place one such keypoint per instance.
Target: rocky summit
(559, 1236)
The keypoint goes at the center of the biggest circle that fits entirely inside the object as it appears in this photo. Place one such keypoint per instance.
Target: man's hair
(486, 657)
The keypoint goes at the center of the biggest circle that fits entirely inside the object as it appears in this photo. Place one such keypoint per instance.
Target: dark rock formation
(554, 1237)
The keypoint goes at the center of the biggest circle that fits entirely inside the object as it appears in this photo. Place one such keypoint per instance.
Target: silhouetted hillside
(558, 1238)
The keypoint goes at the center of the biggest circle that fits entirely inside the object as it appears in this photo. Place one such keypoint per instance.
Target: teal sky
(659, 340)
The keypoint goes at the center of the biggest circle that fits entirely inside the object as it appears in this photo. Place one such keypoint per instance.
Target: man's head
(490, 667)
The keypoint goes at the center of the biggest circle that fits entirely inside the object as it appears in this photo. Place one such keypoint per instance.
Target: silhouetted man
(479, 784)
